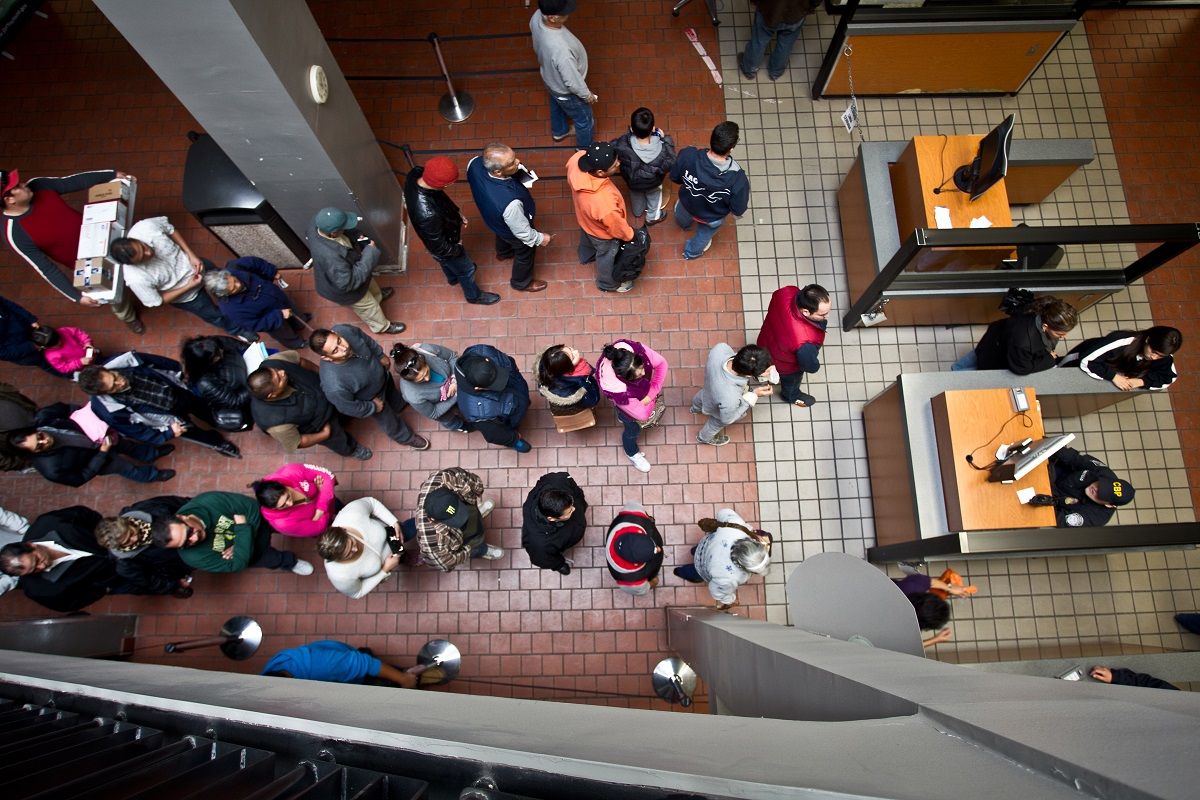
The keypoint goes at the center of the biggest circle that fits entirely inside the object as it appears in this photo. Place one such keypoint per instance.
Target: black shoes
(361, 453)
(485, 299)
(163, 476)
(384, 294)
(396, 327)
(418, 443)
(165, 451)
(229, 450)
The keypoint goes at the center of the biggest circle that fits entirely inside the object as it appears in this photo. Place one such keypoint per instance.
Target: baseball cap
(331, 220)
(636, 548)
(483, 373)
(445, 506)
(598, 155)
(1117, 492)
(8, 180)
(556, 8)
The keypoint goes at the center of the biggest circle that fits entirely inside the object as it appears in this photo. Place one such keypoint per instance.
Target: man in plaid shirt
(449, 519)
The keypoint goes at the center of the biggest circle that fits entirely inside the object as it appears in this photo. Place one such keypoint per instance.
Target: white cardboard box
(109, 211)
(94, 238)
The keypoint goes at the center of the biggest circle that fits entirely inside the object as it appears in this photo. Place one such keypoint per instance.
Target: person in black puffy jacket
(1127, 677)
(214, 370)
(554, 521)
(439, 224)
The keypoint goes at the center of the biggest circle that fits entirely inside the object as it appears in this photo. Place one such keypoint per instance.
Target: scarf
(142, 528)
(1047, 339)
(638, 389)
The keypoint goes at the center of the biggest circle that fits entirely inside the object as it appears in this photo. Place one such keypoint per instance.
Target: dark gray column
(241, 67)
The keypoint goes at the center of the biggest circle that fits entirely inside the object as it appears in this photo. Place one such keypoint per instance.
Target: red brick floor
(524, 632)
(1148, 65)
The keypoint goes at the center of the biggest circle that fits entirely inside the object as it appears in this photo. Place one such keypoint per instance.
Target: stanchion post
(454, 106)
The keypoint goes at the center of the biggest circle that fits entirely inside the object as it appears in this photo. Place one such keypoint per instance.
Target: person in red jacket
(42, 230)
(794, 331)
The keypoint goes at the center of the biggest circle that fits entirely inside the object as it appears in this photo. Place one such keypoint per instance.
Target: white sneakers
(640, 462)
(486, 507)
(493, 552)
(302, 567)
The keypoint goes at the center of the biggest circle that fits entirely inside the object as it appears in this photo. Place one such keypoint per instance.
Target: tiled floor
(531, 633)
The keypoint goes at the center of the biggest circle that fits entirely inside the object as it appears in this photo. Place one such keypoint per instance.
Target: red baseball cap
(7, 181)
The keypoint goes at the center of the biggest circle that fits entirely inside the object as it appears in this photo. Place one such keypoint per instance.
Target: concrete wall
(240, 67)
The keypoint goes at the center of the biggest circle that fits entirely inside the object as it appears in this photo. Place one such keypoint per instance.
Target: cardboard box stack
(105, 217)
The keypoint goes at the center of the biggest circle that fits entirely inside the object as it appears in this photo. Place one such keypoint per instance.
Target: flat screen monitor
(991, 162)
(1016, 468)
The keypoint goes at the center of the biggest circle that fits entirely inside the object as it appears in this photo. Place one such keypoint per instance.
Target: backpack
(631, 257)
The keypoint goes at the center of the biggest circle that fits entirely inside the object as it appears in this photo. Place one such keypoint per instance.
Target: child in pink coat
(297, 500)
(67, 349)
(632, 376)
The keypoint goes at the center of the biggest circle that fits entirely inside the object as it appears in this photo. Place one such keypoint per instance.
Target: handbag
(655, 415)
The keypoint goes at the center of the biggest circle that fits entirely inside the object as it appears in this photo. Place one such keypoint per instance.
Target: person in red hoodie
(794, 331)
(600, 209)
(42, 230)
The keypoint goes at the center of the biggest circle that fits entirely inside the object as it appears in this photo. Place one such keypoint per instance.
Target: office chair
(712, 10)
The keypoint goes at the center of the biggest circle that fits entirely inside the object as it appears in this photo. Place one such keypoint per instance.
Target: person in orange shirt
(600, 209)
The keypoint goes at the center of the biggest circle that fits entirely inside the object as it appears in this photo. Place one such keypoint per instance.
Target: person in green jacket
(223, 532)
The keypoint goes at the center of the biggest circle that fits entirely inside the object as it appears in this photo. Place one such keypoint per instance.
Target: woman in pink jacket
(632, 376)
(298, 499)
(67, 349)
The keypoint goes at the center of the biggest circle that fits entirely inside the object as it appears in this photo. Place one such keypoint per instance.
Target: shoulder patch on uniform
(1075, 520)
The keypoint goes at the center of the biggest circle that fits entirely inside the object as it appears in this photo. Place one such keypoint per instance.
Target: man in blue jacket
(493, 395)
(712, 185)
(507, 208)
(249, 297)
(143, 396)
(336, 662)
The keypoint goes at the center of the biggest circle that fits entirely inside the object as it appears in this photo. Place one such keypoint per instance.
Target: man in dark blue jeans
(439, 224)
(564, 66)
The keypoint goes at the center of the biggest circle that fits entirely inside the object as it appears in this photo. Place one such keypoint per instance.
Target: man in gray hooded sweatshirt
(646, 155)
(564, 66)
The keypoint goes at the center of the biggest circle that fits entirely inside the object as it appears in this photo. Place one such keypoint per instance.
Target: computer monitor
(991, 162)
(1016, 468)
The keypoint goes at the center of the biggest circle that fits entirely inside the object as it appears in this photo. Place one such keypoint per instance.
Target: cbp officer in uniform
(1086, 491)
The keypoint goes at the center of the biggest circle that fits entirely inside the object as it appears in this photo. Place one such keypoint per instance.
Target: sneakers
(384, 294)
(625, 287)
(493, 552)
(396, 327)
(361, 453)
(522, 446)
(163, 475)
(570, 132)
(302, 567)
(702, 252)
(717, 440)
(418, 443)
(485, 299)
(640, 462)
(485, 508)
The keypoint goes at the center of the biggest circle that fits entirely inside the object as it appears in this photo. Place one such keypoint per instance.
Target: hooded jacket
(638, 173)
(599, 206)
(707, 193)
(576, 393)
(545, 540)
(612, 385)
(426, 397)
(507, 405)
(435, 217)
